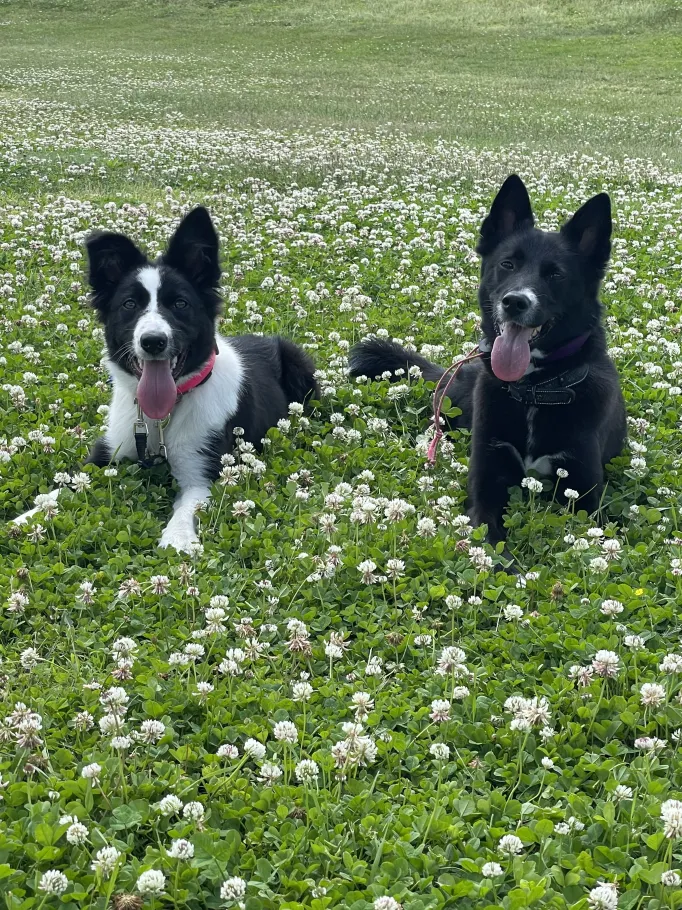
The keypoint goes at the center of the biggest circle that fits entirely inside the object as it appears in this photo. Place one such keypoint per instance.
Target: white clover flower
(233, 889)
(603, 897)
(77, 833)
(193, 811)
(151, 882)
(492, 870)
(386, 903)
(270, 773)
(652, 694)
(29, 658)
(151, 731)
(606, 663)
(301, 691)
(671, 814)
(121, 743)
(510, 845)
(227, 751)
(440, 751)
(307, 771)
(105, 861)
(254, 749)
(53, 882)
(440, 710)
(671, 663)
(285, 732)
(512, 612)
(92, 772)
(671, 879)
(170, 805)
(181, 849)
(634, 642)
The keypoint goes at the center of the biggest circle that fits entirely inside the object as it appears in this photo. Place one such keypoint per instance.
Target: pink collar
(197, 378)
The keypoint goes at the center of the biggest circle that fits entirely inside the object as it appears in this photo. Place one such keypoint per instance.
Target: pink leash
(453, 369)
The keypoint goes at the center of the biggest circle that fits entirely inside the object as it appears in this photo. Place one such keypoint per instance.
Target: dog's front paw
(24, 517)
(183, 540)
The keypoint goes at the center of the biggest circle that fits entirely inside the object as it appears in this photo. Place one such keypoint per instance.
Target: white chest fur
(199, 415)
(541, 464)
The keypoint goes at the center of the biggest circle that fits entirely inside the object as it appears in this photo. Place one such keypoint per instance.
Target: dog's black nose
(515, 303)
(154, 343)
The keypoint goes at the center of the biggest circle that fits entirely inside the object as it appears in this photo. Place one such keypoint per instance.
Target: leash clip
(141, 432)
(161, 424)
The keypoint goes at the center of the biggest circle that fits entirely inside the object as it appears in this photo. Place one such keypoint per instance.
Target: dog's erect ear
(110, 257)
(510, 211)
(590, 230)
(193, 250)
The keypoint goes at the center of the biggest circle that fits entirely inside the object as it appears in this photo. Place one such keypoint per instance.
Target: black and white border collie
(545, 395)
(173, 375)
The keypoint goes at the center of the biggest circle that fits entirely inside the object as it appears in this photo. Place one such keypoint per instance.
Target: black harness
(552, 392)
(555, 391)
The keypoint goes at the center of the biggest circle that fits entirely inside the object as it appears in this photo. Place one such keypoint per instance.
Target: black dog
(545, 395)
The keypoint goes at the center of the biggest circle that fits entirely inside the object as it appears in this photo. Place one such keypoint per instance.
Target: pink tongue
(510, 356)
(156, 390)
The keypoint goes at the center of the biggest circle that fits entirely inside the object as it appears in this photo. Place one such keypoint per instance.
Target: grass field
(333, 704)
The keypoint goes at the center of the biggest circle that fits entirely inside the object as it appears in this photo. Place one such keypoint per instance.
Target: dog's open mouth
(177, 364)
(157, 390)
(510, 356)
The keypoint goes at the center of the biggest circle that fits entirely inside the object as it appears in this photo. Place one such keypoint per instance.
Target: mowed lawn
(333, 703)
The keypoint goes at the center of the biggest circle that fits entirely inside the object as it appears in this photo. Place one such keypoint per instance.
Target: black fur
(278, 372)
(562, 271)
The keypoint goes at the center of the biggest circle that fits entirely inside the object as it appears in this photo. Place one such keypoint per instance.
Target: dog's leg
(42, 501)
(494, 467)
(180, 532)
(100, 455)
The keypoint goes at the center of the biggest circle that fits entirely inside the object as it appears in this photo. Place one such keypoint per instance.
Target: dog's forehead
(173, 283)
(533, 245)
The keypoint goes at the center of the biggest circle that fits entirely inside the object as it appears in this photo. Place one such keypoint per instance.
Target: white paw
(24, 517)
(181, 539)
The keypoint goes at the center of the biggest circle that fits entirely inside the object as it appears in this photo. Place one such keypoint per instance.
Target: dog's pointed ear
(590, 230)
(193, 250)
(511, 210)
(110, 257)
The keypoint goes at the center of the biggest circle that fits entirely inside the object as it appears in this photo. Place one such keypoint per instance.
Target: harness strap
(555, 391)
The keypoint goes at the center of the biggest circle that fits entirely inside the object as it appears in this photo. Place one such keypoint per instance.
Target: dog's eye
(507, 264)
(555, 275)
(180, 304)
(129, 304)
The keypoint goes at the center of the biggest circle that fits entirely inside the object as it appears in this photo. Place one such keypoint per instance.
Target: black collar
(557, 390)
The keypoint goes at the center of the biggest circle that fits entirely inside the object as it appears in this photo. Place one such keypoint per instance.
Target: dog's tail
(374, 356)
(298, 372)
